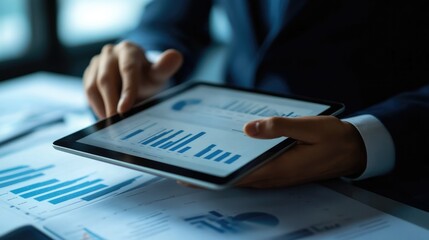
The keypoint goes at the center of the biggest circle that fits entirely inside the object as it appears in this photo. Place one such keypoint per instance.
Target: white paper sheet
(37, 103)
(10, 220)
(136, 205)
(167, 211)
(42, 182)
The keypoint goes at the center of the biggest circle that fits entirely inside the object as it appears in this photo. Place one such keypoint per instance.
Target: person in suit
(370, 55)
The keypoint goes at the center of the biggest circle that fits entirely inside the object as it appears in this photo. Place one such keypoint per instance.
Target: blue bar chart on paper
(55, 191)
(56, 184)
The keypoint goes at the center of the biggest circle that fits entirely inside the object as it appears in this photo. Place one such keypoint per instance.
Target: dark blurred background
(61, 36)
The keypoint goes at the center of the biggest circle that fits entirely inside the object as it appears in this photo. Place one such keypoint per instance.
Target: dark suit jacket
(371, 55)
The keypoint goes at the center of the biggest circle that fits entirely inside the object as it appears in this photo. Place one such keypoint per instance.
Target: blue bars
(132, 134)
(77, 194)
(108, 190)
(183, 150)
(166, 139)
(213, 154)
(48, 189)
(230, 104)
(33, 186)
(66, 190)
(204, 151)
(166, 145)
(152, 135)
(222, 157)
(156, 137)
(12, 169)
(19, 180)
(170, 144)
(259, 110)
(20, 174)
(232, 159)
(187, 141)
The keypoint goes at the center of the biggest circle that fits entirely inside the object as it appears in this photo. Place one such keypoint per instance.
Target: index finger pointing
(130, 61)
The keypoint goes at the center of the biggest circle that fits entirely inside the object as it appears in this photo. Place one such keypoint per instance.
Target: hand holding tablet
(194, 133)
(327, 148)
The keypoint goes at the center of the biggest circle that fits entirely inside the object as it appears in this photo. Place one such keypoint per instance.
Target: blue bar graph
(109, 190)
(171, 143)
(132, 134)
(204, 151)
(20, 174)
(213, 154)
(166, 139)
(20, 180)
(230, 104)
(222, 157)
(233, 159)
(50, 188)
(55, 190)
(236, 107)
(66, 190)
(177, 140)
(166, 145)
(156, 137)
(187, 141)
(259, 110)
(183, 150)
(33, 186)
(12, 169)
(162, 130)
(77, 194)
(253, 108)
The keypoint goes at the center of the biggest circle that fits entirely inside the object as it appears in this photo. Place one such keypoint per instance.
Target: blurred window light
(15, 29)
(220, 28)
(87, 21)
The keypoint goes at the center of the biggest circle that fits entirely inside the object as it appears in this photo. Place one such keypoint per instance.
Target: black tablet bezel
(71, 141)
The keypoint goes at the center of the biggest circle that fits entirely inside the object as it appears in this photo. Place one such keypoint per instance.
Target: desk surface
(384, 204)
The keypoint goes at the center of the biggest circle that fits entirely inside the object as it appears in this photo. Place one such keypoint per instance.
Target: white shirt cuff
(380, 149)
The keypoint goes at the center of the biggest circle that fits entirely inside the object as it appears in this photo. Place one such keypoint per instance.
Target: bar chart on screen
(45, 186)
(221, 112)
(217, 151)
(155, 135)
(232, 105)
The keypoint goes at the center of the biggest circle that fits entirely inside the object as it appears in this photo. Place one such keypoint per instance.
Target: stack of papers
(70, 197)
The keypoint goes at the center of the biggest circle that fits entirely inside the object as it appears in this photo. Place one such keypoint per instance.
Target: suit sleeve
(406, 117)
(182, 25)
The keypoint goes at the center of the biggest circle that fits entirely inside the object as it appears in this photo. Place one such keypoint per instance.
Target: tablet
(194, 133)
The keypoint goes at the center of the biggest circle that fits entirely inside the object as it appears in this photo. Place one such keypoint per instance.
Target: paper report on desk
(76, 198)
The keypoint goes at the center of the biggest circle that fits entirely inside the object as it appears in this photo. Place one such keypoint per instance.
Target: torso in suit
(362, 53)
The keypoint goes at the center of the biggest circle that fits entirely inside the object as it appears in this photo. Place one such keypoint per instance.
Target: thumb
(167, 65)
(303, 128)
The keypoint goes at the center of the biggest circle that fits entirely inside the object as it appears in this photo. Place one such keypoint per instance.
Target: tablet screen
(200, 129)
